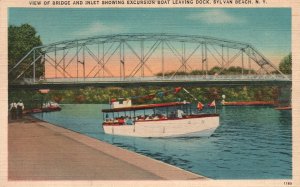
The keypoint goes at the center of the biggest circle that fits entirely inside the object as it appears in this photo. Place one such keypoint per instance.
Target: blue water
(251, 142)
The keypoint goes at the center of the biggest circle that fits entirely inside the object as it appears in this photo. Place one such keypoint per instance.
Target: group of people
(130, 121)
(175, 114)
(121, 120)
(16, 110)
(152, 117)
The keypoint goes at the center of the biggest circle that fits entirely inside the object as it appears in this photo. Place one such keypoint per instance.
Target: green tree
(21, 39)
(285, 65)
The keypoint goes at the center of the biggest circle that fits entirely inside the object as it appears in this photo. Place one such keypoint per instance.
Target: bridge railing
(230, 77)
(161, 78)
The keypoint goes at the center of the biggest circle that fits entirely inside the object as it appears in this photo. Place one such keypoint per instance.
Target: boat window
(139, 112)
(108, 117)
(158, 113)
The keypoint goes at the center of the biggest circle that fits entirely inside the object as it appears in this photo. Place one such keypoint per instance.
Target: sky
(267, 29)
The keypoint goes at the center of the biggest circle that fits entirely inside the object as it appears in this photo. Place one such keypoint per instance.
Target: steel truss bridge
(123, 59)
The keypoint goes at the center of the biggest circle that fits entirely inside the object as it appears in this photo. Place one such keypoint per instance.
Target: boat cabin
(128, 115)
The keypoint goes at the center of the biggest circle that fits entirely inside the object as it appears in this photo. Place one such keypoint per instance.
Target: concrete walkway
(40, 151)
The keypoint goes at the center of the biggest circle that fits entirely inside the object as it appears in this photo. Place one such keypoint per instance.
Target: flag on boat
(200, 106)
(177, 90)
(212, 104)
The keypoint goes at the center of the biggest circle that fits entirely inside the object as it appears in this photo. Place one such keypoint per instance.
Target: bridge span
(144, 59)
(183, 80)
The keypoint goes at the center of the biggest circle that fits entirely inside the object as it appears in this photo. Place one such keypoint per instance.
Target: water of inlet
(250, 143)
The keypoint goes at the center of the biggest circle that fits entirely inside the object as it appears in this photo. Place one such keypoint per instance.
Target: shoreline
(38, 150)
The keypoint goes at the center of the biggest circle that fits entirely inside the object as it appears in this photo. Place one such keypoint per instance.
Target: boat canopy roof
(143, 107)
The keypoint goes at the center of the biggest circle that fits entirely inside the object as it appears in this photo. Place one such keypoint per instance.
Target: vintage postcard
(149, 92)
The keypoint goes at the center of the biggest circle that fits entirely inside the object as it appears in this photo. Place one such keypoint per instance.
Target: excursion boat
(174, 119)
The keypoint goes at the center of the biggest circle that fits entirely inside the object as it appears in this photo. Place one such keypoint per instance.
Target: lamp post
(223, 99)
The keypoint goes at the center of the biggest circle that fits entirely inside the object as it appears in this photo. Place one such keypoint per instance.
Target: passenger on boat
(162, 116)
(129, 121)
(180, 113)
(149, 118)
(121, 121)
(156, 118)
(141, 118)
(109, 120)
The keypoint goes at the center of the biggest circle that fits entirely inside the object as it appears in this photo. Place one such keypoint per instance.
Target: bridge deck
(208, 80)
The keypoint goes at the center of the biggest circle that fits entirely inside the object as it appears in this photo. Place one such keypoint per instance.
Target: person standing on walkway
(20, 108)
(13, 110)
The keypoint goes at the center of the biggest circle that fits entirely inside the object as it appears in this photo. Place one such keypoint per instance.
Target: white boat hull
(204, 126)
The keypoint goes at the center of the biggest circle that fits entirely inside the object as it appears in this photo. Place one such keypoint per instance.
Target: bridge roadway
(182, 80)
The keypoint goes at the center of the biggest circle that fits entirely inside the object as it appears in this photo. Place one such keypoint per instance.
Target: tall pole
(55, 63)
(123, 55)
(122, 61)
(227, 54)
(142, 58)
(242, 62)
(183, 56)
(120, 51)
(98, 45)
(103, 59)
(77, 58)
(34, 66)
(83, 60)
(202, 56)
(162, 59)
(215, 107)
(222, 56)
(249, 63)
(64, 63)
(44, 66)
(206, 61)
